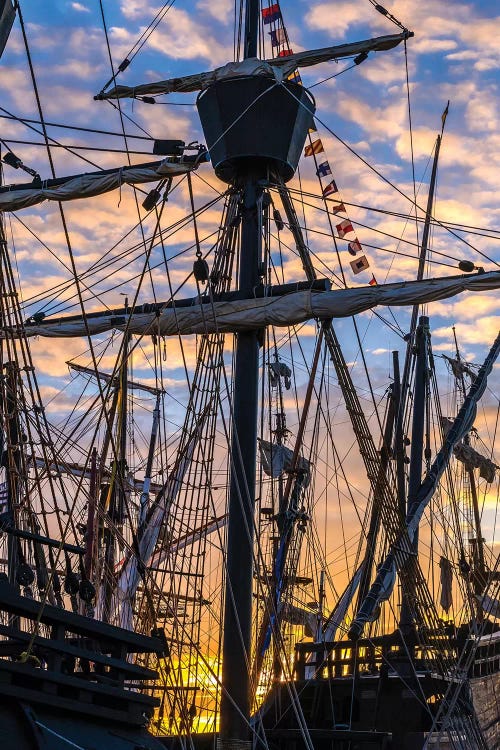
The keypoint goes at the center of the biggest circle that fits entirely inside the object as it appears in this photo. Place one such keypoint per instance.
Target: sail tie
(120, 183)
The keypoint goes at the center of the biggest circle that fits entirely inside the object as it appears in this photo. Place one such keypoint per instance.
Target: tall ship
(249, 413)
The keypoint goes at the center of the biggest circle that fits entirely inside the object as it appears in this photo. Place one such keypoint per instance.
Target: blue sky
(454, 56)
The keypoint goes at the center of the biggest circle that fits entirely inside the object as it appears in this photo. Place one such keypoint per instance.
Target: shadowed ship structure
(195, 516)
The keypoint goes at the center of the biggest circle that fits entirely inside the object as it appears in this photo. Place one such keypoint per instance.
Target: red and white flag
(340, 209)
(329, 189)
(344, 228)
(354, 247)
(373, 281)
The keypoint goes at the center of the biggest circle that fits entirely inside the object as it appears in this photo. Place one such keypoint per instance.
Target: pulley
(86, 590)
(24, 575)
(41, 578)
(151, 199)
(266, 199)
(278, 220)
(360, 58)
(15, 162)
(71, 583)
(201, 271)
(467, 266)
(464, 567)
(154, 195)
(160, 634)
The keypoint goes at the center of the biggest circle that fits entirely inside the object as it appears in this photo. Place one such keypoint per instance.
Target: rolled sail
(7, 16)
(401, 551)
(250, 314)
(277, 67)
(15, 197)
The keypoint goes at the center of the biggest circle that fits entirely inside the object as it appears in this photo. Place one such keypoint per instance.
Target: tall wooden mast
(255, 132)
(236, 658)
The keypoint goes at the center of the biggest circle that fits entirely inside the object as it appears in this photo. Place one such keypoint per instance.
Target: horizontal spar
(277, 67)
(89, 184)
(250, 314)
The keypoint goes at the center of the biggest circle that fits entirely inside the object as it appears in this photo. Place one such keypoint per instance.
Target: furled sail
(250, 314)
(190, 538)
(336, 617)
(7, 16)
(276, 459)
(277, 67)
(470, 457)
(338, 614)
(489, 605)
(401, 550)
(14, 197)
(446, 580)
(459, 367)
(132, 385)
(77, 470)
(129, 576)
(295, 615)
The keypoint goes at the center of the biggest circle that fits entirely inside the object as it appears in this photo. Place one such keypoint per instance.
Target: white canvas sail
(336, 617)
(216, 525)
(89, 185)
(489, 605)
(251, 314)
(401, 550)
(7, 16)
(278, 67)
(129, 576)
(276, 459)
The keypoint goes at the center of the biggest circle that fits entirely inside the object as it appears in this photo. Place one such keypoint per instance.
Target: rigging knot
(26, 658)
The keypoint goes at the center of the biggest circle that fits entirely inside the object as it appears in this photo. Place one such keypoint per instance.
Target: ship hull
(486, 697)
(77, 688)
(368, 712)
(30, 726)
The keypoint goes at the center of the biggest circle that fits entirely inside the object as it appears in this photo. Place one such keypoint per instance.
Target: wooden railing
(77, 663)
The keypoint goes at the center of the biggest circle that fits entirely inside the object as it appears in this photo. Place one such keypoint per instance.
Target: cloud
(435, 30)
(347, 14)
(383, 70)
(221, 10)
(180, 37)
(472, 333)
(80, 8)
(482, 111)
(449, 58)
(134, 9)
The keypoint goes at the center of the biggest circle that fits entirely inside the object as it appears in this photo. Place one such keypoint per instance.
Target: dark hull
(33, 726)
(485, 686)
(367, 696)
(486, 697)
(368, 713)
(75, 688)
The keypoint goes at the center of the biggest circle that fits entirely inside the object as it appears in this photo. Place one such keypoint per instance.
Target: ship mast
(10, 455)
(417, 451)
(235, 699)
(418, 341)
(255, 130)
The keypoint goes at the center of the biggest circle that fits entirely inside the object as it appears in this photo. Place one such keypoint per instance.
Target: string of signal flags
(280, 43)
